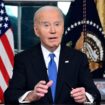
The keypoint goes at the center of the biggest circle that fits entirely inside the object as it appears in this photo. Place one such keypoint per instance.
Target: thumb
(49, 84)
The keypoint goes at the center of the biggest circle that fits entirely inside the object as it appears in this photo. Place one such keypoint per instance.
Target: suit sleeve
(86, 80)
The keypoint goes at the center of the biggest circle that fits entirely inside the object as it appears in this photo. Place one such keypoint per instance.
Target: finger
(79, 97)
(78, 90)
(42, 82)
(78, 94)
(40, 94)
(49, 84)
(80, 100)
(40, 90)
(42, 85)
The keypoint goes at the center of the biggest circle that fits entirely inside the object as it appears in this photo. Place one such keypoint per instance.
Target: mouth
(53, 38)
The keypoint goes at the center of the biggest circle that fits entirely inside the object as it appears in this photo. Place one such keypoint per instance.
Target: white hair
(47, 8)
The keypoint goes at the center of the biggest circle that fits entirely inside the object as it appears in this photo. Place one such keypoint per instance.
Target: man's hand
(79, 95)
(39, 91)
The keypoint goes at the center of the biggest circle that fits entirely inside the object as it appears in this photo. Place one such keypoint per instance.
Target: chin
(54, 46)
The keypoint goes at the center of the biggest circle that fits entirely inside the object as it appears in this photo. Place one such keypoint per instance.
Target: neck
(51, 49)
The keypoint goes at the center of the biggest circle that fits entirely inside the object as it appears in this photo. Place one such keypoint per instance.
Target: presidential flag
(6, 50)
(73, 26)
(83, 31)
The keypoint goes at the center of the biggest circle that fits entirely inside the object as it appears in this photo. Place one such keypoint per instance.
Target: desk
(102, 103)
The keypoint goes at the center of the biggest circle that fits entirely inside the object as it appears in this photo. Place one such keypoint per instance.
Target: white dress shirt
(47, 57)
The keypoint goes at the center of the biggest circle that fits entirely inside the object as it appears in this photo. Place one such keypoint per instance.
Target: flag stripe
(3, 84)
(5, 59)
(1, 95)
(8, 48)
(4, 71)
(9, 35)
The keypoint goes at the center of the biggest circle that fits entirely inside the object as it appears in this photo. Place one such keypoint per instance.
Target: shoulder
(29, 52)
(73, 52)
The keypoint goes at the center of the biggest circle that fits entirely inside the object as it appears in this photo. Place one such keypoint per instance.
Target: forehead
(49, 13)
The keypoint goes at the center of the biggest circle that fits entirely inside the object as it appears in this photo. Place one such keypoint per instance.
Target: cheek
(61, 34)
(43, 37)
(61, 31)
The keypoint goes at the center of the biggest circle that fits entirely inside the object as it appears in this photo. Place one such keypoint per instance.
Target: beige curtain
(100, 4)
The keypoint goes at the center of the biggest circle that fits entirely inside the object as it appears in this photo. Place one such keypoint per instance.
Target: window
(12, 12)
(21, 17)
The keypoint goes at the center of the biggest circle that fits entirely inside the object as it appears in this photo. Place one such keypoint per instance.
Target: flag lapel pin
(67, 61)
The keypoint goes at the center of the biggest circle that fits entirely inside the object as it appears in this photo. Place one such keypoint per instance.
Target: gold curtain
(100, 4)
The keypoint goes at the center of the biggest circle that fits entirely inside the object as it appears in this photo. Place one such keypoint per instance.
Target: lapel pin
(67, 61)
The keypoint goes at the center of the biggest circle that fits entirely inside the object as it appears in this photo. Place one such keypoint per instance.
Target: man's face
(50, 28)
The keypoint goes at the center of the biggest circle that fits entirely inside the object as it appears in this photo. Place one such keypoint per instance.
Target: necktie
(52, 72)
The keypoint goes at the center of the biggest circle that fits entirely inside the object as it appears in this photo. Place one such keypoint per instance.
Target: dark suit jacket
(29, 69)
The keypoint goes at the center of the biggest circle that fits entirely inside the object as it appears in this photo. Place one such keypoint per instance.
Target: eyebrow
(44, 22)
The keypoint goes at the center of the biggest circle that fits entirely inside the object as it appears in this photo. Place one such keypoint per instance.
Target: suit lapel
(41, 68)
(64, 59)
(59, 76)
(38, 63)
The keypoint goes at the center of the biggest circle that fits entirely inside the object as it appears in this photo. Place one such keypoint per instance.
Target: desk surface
(102, 103)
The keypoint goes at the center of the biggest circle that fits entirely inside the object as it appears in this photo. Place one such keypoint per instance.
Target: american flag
(6, 50)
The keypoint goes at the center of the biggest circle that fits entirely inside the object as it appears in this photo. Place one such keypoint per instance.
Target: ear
(36, 30)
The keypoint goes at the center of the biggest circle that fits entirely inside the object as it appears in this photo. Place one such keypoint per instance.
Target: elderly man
(50, 73)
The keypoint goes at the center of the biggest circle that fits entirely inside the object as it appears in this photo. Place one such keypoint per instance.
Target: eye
(46, 25)
(57, 24)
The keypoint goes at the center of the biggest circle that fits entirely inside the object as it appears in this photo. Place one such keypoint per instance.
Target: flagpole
(19, 29)
(84, 18)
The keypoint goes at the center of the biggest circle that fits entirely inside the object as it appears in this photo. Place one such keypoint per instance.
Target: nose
(52, 29)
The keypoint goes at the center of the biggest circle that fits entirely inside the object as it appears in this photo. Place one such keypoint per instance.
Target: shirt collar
(46, 52)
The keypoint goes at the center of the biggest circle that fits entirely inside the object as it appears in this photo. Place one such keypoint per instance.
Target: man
(31, 82)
